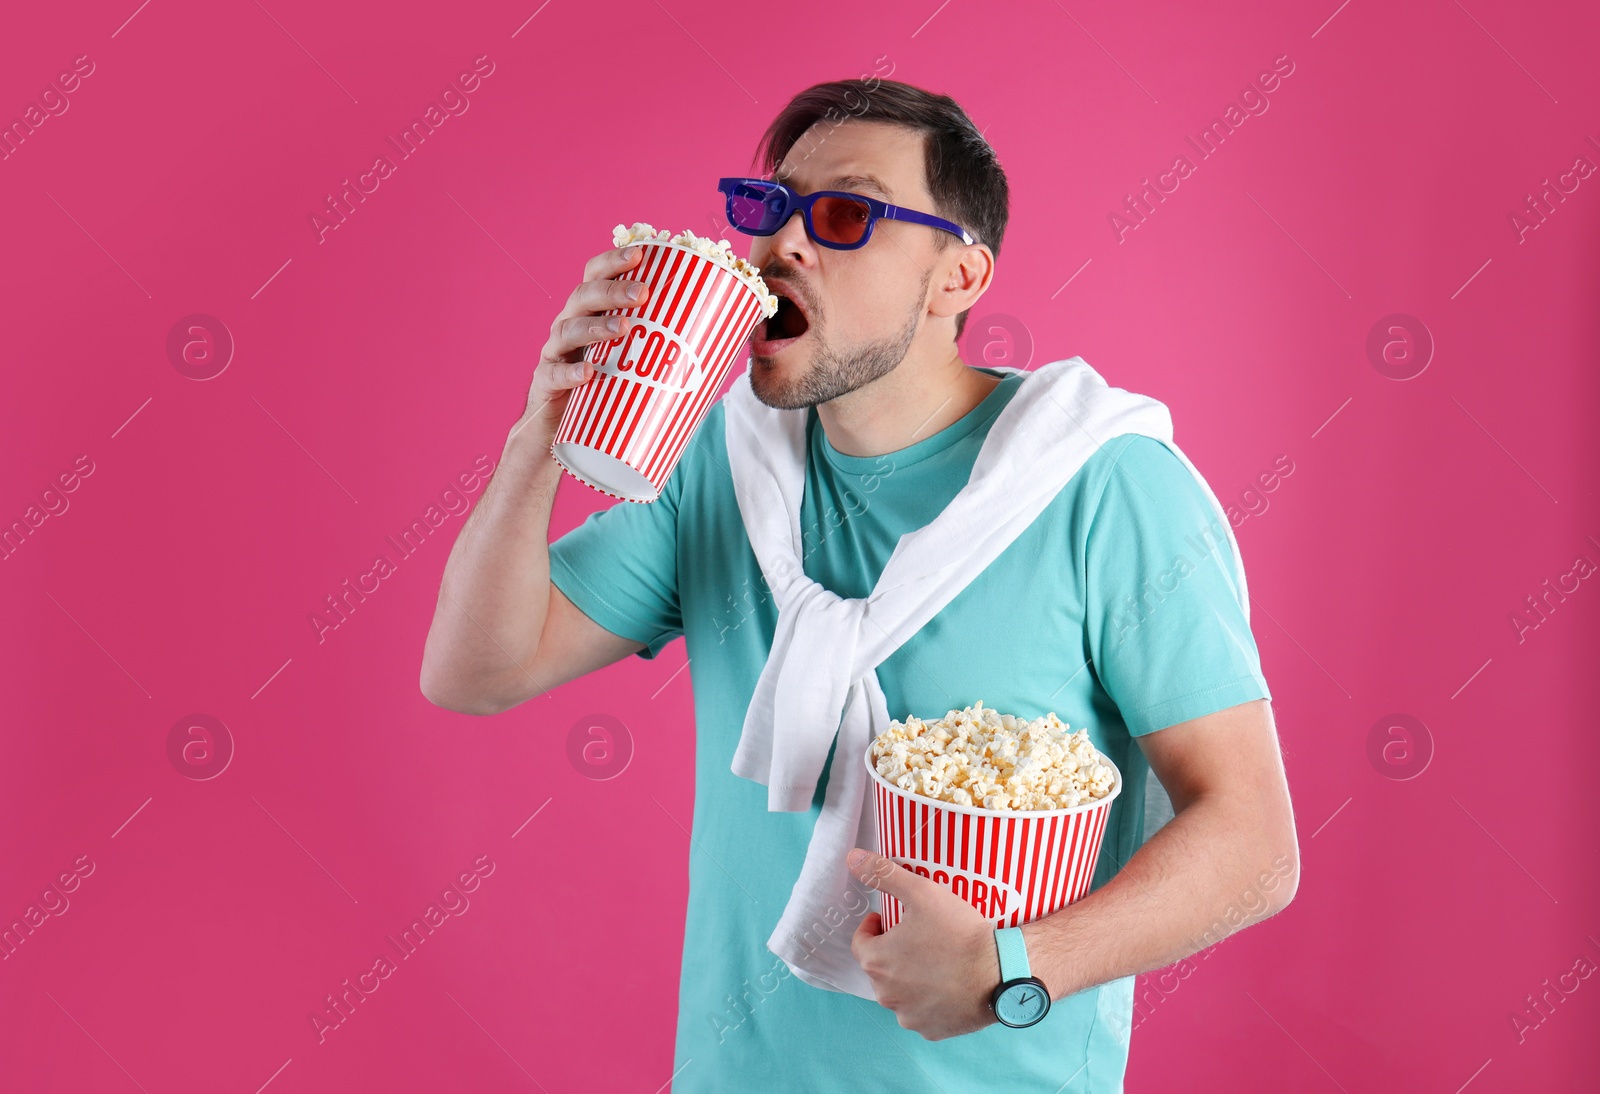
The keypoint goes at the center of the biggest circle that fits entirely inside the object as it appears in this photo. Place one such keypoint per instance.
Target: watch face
(1022, 1003)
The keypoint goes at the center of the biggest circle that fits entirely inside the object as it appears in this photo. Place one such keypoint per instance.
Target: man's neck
(919, 398)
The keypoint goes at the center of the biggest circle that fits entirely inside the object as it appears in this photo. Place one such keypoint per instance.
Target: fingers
(877, 871)
(582, 321)
(602, 294)
(611, 263)
(568, 336)
(565, 375)
(869, 928)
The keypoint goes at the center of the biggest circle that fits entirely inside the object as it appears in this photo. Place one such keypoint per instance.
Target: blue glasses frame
(779, 203)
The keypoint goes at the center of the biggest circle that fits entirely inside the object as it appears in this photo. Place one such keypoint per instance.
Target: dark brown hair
(962, 174)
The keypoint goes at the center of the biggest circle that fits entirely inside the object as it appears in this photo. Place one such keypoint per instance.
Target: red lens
(840, 220)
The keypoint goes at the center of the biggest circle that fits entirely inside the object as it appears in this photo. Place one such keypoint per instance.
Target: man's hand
(1228, 858)
(937, 968)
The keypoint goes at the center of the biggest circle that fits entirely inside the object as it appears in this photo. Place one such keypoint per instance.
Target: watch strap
(1013, 952)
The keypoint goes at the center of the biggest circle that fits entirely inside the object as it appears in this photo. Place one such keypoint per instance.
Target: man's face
(856, 312)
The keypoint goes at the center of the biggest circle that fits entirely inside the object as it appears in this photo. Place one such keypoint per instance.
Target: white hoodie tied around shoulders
(820, 678)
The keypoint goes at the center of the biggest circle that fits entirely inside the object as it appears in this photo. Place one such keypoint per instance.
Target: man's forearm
(1208, 872)
(495, 590)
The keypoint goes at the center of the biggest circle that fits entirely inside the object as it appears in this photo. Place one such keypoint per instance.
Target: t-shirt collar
(984, 412)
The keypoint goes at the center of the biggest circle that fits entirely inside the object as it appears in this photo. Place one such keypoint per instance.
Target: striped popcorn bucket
(624, 429)
(1012, 865)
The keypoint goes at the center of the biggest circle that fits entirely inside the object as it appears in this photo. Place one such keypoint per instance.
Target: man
(1118, 608)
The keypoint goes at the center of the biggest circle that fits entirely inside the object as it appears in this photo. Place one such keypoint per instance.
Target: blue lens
(754, 208)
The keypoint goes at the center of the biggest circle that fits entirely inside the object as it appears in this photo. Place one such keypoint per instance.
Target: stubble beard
(834, 372)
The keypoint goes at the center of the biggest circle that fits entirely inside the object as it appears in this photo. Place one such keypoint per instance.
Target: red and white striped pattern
(1012, 865)
(699, 314)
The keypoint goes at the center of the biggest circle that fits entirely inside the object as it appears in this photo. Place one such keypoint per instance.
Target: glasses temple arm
(895, 212)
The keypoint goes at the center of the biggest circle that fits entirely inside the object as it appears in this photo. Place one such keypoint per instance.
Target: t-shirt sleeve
(620, 567)
(1166, 632)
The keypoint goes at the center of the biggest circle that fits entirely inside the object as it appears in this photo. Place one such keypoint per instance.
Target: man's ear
(961, 275)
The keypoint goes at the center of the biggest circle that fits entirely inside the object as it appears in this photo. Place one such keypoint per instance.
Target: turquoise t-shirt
(1117, 609)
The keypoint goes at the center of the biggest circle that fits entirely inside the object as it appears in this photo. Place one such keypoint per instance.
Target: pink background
(373, 368)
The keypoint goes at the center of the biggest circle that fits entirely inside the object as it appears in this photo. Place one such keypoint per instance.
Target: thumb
(885, 875)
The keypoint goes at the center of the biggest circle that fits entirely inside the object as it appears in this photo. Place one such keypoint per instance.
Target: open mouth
(787, 325)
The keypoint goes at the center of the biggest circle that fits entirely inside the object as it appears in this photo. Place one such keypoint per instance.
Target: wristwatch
(1021, 999)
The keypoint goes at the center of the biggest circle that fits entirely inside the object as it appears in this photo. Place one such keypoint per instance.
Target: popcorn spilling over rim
(719, 250)
(978, 757)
